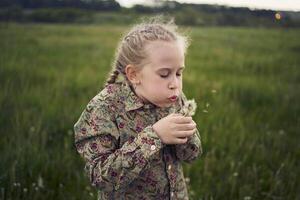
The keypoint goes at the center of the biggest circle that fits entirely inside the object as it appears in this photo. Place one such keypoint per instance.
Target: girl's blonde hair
(131, 48)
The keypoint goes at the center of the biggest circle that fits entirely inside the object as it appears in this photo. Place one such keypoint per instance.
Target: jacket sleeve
(192, 148)
(109, 166)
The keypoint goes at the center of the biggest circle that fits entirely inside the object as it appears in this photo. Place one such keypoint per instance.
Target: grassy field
(246, 83)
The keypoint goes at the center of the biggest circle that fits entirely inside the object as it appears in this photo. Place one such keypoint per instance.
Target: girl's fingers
(182, 120)
(180, 140)
(182, 134)
(186, 127)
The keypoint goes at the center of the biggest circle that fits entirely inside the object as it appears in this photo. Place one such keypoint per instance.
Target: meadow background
(246, 82)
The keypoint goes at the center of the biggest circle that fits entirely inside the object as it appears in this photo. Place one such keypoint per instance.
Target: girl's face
(161, 76)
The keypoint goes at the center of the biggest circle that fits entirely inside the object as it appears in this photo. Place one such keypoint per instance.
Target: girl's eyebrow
(169, 69)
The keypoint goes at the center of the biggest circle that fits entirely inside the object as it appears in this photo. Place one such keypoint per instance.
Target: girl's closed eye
(164, 75)
(179, 73)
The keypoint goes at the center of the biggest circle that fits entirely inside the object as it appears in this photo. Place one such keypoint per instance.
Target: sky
(292, 5)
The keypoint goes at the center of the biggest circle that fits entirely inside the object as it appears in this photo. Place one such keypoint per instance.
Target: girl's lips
(173, 98)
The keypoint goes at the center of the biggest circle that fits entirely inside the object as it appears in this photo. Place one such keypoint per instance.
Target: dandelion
(40, 182)
(189, 108)
(70, 132)
(187, 180)
(213, 91)
(25, 190)
(235, 174)
(247, 198)
(17, 184)
(281, 132)
(87, 188)
(192, 192)
(32, 129)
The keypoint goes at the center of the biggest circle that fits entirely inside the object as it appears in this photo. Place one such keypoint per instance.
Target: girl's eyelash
(163, 76)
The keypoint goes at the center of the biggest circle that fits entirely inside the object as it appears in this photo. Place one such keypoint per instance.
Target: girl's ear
(132, 74)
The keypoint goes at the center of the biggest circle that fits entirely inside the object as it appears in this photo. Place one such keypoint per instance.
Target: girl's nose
(171, 86)
(174, 83)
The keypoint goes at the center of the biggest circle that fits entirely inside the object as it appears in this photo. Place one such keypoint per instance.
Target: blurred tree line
(82, 4)
(110, 11)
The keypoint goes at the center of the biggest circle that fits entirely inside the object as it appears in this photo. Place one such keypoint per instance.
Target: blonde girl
(135, 133)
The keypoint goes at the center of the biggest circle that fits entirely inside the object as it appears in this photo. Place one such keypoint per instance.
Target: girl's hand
(174, 128)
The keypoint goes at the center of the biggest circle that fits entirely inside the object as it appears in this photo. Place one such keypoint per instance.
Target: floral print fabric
(124, 157)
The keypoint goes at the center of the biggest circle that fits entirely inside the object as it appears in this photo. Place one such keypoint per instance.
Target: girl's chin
(164, 105)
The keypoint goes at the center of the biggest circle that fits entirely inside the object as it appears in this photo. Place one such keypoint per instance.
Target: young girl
(133, 134)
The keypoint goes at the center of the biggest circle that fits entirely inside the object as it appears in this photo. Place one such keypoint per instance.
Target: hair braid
(114, 73)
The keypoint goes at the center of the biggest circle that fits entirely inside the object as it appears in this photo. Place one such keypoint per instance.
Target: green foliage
(58, 15)
(109, 5)
(13, 13)
(45, 15)
(245, 82)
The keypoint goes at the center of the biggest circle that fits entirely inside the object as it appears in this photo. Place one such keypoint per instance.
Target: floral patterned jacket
(125, 159)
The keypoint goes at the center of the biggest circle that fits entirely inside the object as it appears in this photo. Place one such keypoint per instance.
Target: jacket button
(153, 147)
(169, 167)
(172, 194)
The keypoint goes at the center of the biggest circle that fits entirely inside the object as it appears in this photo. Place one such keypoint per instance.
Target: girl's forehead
(162, 45)
(165, 52)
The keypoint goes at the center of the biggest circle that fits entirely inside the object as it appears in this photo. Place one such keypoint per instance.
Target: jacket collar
(131, 100)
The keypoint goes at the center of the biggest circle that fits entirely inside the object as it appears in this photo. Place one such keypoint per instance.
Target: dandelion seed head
(281, 132)
(32, 129)
(40, 182)
(189, 108)
(70, 132)
(187, 179)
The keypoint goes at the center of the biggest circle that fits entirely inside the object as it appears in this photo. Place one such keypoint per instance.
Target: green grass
(246, 79)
